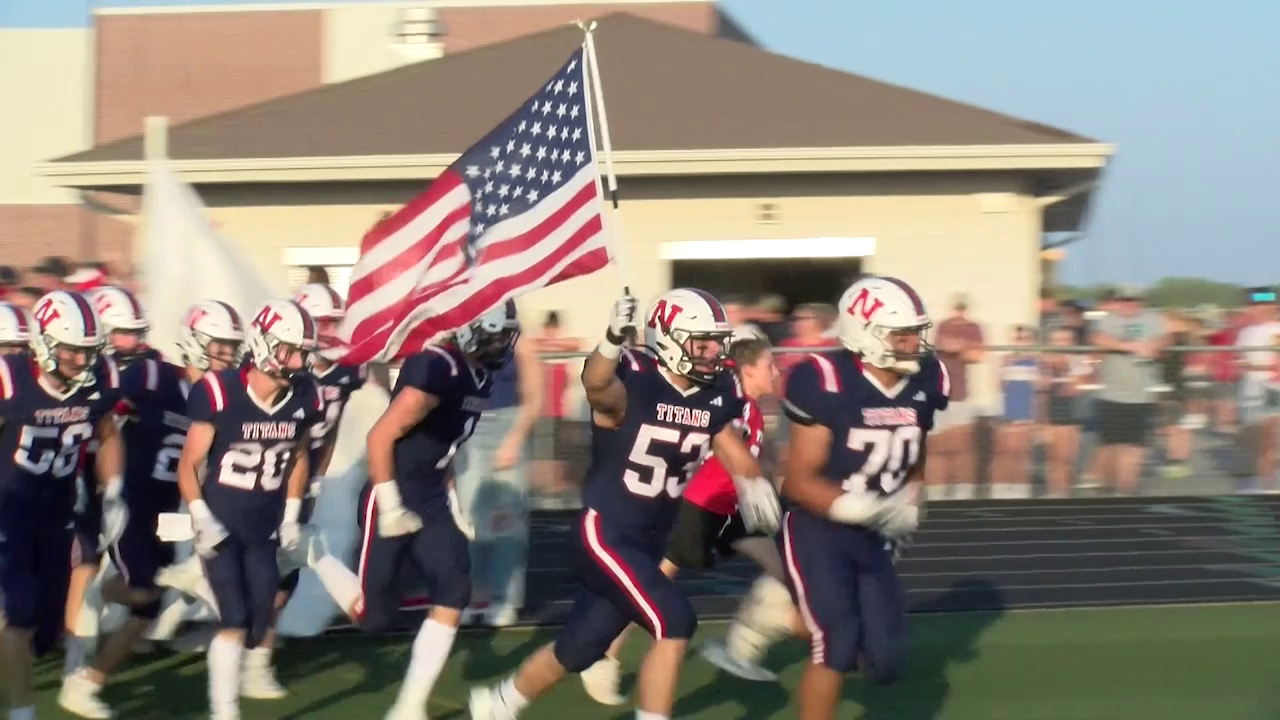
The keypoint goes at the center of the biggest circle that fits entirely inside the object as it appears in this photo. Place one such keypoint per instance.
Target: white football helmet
(119, 311)
(65, 319)
(877, 313)
(205, 322)
(680, 318)
(489, 338)
(327, 308)
(278, 325)
(15, 326)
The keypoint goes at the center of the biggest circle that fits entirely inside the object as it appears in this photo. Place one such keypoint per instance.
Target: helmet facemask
(899, 349)
(57, 359)
(273, 355)
(703, 355)
(489, 348)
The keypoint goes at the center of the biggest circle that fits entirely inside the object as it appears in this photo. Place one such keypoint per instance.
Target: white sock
(23, 713)
(259, 657)
(341, 584)
(224, 674)
(643, 715)
(430, 651)
(77, 652)
(510, 696)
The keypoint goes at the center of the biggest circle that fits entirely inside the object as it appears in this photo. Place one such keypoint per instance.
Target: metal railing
(1061, 422)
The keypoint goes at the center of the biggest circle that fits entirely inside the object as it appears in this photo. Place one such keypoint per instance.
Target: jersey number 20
(690, 446)
(891, 453)
(247, 465)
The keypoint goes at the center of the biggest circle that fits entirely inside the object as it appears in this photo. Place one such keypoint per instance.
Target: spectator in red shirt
(1224, 371)
(809, 324)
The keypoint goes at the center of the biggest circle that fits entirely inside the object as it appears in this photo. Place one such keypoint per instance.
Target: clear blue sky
(1189, 90)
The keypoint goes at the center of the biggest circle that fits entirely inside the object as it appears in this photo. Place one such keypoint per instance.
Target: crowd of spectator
(23, 287)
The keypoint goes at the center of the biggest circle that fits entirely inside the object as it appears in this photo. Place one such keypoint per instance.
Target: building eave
(1065, 156)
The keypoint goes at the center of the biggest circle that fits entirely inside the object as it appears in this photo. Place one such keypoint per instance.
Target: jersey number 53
(250, 465)
(653, 448)
(891, 453)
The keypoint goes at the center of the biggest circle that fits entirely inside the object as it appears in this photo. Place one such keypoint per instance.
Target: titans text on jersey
(639, 469)
(254, 447)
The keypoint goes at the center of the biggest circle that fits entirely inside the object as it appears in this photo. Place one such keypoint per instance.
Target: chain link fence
(1061, 422)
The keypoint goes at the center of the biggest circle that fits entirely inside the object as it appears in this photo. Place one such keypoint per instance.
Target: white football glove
(394, 519)
(758, 505)
(621, 317)
(115, 515)
(459, 515)
(899, 519)
(209, 532)
(290, 532)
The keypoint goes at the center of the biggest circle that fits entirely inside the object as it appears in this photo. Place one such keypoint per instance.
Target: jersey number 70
(891, 453)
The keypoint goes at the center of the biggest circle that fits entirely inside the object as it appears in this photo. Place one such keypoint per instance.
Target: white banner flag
(185, 260)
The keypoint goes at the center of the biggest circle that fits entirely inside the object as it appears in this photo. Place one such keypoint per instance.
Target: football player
(125, 328)
(408, 515)
(707, 523)
(337, 383)
(854, 473)
(15, 329)
(51, 406)
(153, 405)
(654, 416)
(251, 427)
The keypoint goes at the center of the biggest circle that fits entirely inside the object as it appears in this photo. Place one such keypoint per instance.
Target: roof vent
(419, 33)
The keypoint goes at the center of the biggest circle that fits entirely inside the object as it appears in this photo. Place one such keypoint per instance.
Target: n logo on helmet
(195, 315)
(46, 313)
(267, 319)
(664, 314)
(864, 306)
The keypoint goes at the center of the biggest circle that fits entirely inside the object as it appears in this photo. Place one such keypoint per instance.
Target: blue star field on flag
(529, 155)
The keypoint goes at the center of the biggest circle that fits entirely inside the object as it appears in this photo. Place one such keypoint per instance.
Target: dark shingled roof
(666, 89)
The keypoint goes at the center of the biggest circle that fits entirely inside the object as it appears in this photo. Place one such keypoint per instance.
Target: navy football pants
(621, 584)
(35, 572)
(439, 551)
(843, 582)
(244, 577)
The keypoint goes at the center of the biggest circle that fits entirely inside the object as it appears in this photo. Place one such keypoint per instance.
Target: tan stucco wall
(976, 234)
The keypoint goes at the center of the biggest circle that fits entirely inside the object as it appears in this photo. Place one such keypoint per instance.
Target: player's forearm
(188, 483)
(110, 462)
(813, 494)
(298, 479)
(599, 371)
(380, 457)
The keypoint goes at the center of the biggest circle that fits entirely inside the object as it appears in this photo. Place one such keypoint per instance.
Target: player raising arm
(654, 417)
(438, 398)
(861, 415)
(51, 407)
(251, 427)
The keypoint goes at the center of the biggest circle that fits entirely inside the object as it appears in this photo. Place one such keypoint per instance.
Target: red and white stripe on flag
(528, 200)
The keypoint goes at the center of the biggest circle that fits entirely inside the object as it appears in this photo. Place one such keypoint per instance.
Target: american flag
(518, 211)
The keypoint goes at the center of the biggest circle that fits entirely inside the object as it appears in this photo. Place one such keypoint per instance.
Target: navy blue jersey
(154, 408)
(639, 469)
(422, 456)
(336, 385)
(46, 435)
(255, 447)
(877, 433)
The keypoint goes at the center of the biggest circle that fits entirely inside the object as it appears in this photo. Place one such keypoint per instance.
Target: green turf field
(1203, 663)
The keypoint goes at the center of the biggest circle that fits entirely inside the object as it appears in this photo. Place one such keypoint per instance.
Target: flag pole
(595, 108)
